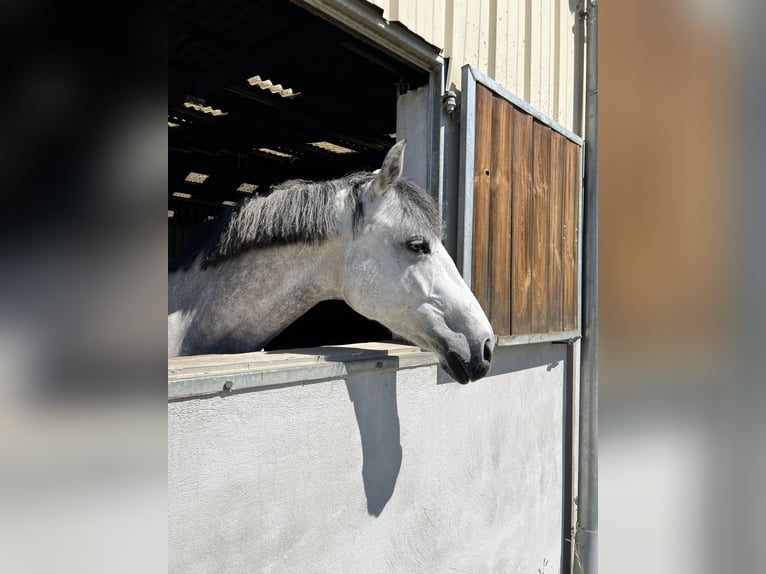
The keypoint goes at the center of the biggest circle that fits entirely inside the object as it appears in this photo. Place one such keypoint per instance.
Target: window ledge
(202, 375)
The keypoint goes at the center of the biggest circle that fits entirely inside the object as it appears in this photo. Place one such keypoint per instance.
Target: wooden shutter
(521, 187)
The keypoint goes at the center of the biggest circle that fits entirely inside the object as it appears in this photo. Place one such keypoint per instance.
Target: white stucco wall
(393, 471)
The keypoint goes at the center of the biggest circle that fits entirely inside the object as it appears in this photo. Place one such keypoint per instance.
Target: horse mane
(298, 211)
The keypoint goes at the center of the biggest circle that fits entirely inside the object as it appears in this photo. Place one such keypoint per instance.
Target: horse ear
(391, 169)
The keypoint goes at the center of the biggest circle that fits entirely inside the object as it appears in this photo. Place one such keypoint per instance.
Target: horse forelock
(419, 211)
(299, 211)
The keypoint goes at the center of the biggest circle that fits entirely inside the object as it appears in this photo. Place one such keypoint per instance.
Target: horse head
(397, 272)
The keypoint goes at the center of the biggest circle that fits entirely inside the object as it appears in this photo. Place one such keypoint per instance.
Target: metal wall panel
(527, 46)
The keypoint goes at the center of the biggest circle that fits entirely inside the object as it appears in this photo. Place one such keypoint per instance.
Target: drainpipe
(579, 68)
(586, 536)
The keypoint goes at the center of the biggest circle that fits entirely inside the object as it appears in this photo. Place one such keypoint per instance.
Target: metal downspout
(586, 537)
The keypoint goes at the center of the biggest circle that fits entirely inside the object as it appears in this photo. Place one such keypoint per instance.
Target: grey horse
(370, 239)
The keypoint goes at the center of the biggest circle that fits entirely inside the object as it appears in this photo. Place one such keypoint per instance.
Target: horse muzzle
(465, 371)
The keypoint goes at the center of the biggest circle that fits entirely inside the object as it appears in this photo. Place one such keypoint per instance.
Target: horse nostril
(488, 350)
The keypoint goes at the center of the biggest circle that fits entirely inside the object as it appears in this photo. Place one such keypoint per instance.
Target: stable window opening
(264, 92)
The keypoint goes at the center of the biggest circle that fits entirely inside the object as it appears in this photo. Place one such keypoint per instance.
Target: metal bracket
(450, 103)
(583, 8)
(570, 341)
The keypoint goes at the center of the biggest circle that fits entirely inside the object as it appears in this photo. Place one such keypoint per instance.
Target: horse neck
(300, 272)
(242, 303)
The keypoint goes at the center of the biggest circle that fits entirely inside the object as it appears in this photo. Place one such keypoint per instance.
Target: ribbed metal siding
(528, 46)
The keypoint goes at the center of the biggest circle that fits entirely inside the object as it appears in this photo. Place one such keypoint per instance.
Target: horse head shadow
(373, 395)
(377, 416)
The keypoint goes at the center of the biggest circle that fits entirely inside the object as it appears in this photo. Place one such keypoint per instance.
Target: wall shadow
(377, 416)
(373, 395)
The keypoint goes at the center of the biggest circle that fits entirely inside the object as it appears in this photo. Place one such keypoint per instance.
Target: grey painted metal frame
(365, 21)
(581, 239)
(470, 77)
(200, 376)
(436, 120)
(586, 537)
(467, 155)
(560, 336)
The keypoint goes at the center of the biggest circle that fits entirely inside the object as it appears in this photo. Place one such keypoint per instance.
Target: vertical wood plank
(555, 245)
(521, 189)
(500, 218)
(540, 175)
(571, 212)
(480, 279)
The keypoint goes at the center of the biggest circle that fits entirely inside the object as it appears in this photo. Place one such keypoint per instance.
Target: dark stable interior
(318, 84)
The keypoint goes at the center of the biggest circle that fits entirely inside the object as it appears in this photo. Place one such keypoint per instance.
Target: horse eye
(418, 245)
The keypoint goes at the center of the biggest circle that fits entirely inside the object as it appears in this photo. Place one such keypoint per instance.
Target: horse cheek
(362, 285)
(380, 289)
